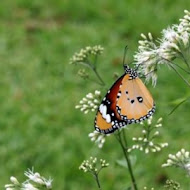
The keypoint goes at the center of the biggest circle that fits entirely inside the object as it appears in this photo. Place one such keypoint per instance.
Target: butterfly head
(133, 73)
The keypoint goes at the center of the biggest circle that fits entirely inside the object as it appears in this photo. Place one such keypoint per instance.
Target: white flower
(34, 182)
(14, 180)
(15, 184)
(9, 187)
(170, 35)
(35, 177)
(93, 165)
(48, 183)
(83, 55)
(181, 159)
(168, 51)
(28, 186)
(90, 102)
(175, 42)
(98, 138)
(147, 58)
(147, 142)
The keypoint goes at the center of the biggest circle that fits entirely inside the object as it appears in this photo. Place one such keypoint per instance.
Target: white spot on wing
(108, 118)
(104, 111)
(101, 108)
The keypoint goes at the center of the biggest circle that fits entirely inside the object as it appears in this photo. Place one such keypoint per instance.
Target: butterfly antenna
(124, 56)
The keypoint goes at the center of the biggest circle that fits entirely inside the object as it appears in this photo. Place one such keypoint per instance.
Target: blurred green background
(39, 126)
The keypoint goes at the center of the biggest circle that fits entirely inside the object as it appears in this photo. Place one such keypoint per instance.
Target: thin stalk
(98, 76)
(179, 74)
(85, 64)
(183, 101)
(176, 65)
(97, 181)
(180, 67)
(95, 60)
(124, 148)
(186, 62)
(93, 67)
(88, 64)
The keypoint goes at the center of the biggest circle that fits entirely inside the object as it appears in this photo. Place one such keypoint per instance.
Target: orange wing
(135, 102)
(128, 101)
(107, 119)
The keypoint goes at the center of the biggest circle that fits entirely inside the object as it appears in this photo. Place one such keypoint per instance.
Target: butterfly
(128, 101)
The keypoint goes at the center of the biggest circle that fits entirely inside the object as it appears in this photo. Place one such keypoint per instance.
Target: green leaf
(178, 103)
(123, 163)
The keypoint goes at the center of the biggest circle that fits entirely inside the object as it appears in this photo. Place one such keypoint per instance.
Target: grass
(39, 89)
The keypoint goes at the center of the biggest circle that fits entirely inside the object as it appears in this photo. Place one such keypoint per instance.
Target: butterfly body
(128, 101)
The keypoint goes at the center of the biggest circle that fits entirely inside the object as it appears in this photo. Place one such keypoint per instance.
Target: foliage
(39, 125)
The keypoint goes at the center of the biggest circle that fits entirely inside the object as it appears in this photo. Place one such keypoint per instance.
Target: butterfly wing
(128, 101)
(107, 118)
(134, 103)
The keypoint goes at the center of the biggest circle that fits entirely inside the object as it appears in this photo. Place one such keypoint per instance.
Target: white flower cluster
(147, 57)
(98, 138)
(175, 42)
(34, 182)
(83, 55)
(181, 159)
(83, 74)
(90, 102)
(170, 184)
(147, 142)
(92, 165)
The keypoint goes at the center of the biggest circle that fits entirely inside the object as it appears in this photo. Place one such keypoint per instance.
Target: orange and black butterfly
(128, 101)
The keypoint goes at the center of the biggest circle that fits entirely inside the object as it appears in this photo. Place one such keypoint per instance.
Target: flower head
(98, 138)
(184, 29)
(147, 142)
(83, 74)
(147, 58)
(175, 42)
(93, 165)
(28, 186)
(90, 102)
(34, 182)
(181, 159)
(15, 184)
(38, 179)
(84, 54)
(172, 185)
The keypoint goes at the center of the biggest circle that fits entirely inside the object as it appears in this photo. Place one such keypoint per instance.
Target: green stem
(85, 64)
(179, 74)
(97, 180)
(93, 67)
(95, 60)
(179, 67)
(98, 76)
(183, 101)
(124, 148)
(186, 62)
